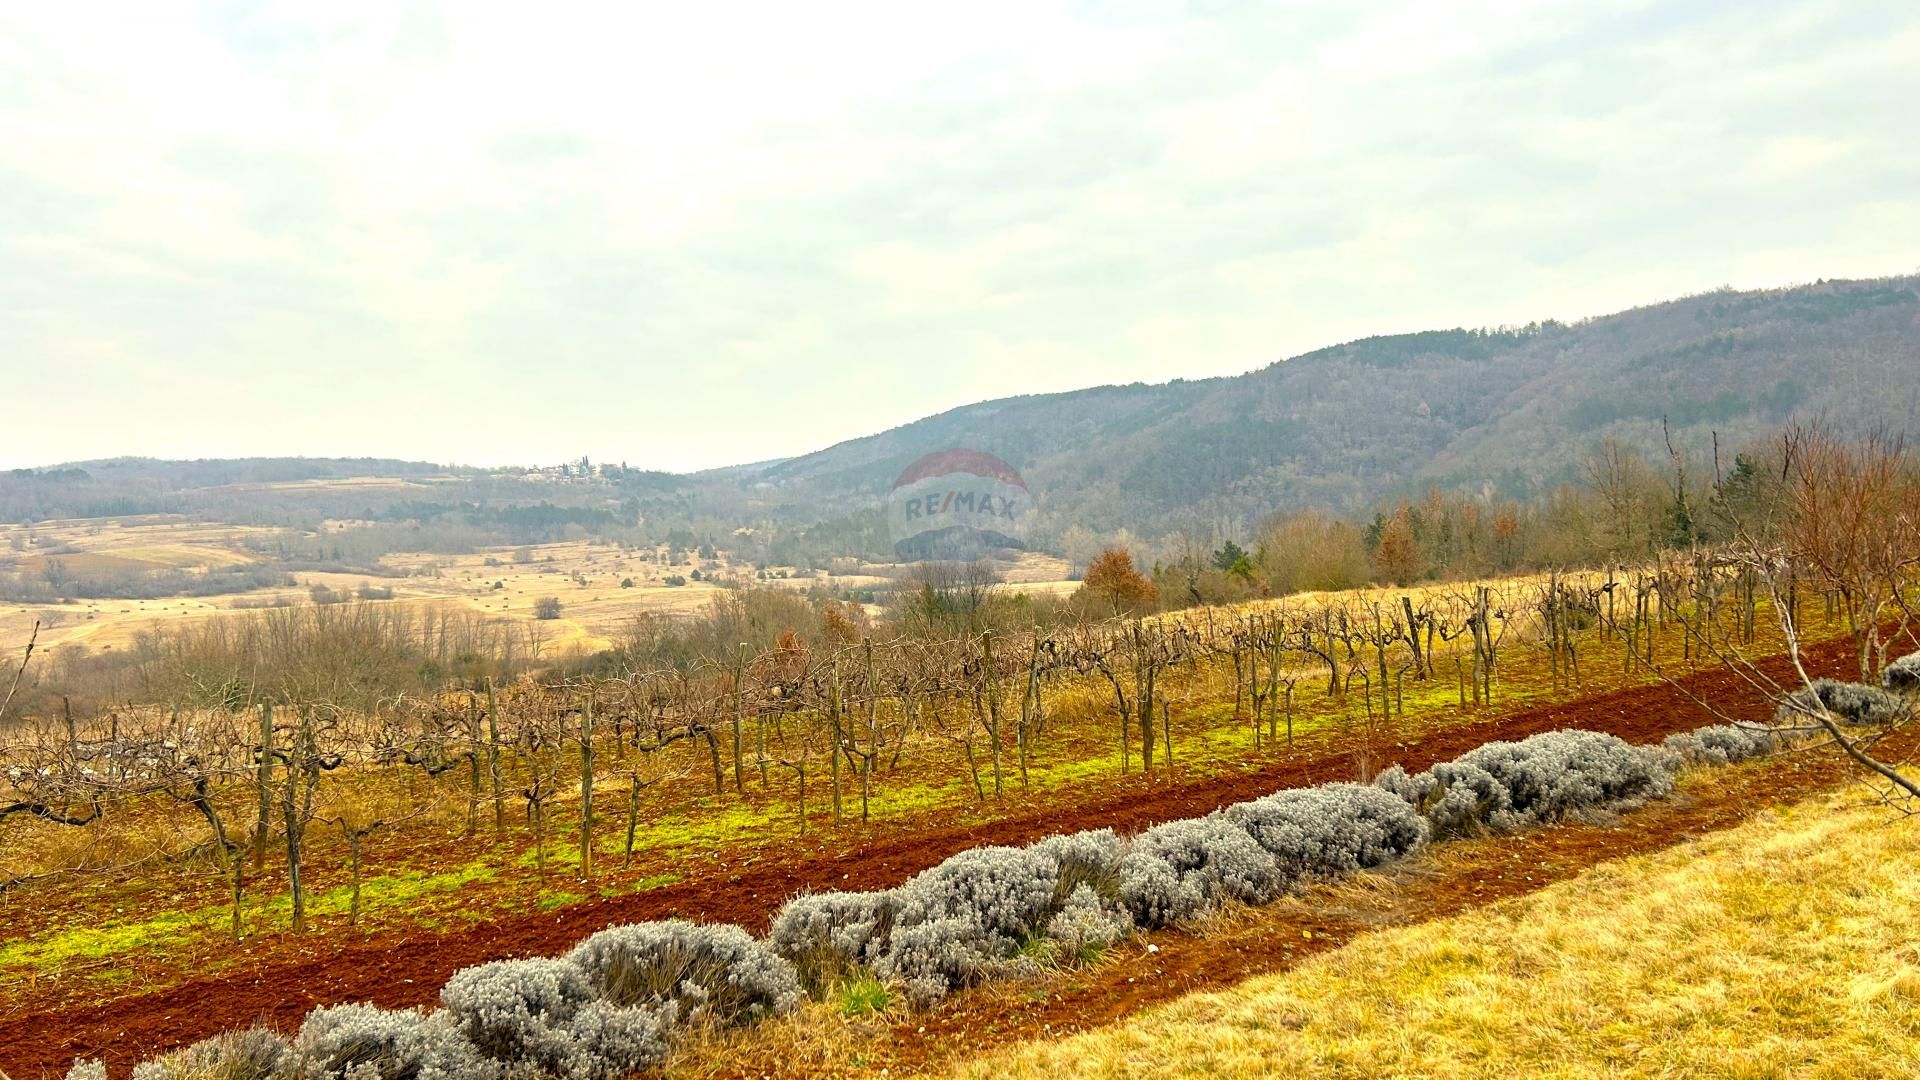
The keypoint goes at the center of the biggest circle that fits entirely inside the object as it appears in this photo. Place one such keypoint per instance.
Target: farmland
(125, 936)
(661, 542)
(602, 585)
(878, 817)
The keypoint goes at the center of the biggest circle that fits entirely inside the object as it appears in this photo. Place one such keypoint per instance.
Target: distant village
(579, 471)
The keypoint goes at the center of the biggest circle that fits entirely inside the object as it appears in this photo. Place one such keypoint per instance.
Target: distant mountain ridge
(1345, 427)
(1510, 411)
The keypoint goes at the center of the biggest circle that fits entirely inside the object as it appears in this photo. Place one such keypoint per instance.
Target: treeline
(275, 493)
(56, 582)
(132, 487)
(354, 653)
(1625, 509)
(358, 548)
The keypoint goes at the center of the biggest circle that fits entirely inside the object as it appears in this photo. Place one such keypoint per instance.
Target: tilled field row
(409, 970)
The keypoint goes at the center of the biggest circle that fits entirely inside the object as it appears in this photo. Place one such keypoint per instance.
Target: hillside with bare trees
(1508, 411)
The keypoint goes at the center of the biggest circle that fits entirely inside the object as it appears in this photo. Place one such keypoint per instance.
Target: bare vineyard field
(120, 941)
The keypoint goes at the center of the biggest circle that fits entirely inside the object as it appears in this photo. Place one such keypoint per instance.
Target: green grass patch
(864, 996)
(170, 931)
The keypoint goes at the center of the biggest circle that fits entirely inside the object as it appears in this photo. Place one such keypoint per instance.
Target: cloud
(691, 236)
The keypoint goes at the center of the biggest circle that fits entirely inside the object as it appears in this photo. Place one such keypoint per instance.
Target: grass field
(1786, 947)
(590, 579)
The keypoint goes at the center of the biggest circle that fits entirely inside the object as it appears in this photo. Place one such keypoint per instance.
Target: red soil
(409, 969)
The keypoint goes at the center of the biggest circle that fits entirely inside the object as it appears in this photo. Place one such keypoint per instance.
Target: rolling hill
(1509, 410)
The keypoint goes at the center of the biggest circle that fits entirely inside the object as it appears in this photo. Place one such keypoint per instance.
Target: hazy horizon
(564, 457)
(695, 239)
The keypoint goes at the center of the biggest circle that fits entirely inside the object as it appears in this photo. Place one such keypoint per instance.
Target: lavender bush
(831, 936)
(1182, 869)
(1847, 702)
(542, 1014)
(1723, 744)
(1330, 830)
(1088, 923)
(365, 1042)
(1902, 676)
(1457, 799)
(969, 918)
(255, 1054)
(1090, 859)
(716, 973)
(1558, 773)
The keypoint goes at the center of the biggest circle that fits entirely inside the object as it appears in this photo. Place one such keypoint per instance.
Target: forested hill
(1511, 410)
(1346, 428)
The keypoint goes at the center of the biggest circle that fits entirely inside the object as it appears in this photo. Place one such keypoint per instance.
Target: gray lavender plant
(714, 973)
(1847, 702)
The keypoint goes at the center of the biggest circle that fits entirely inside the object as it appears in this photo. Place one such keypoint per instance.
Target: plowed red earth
(409, 970)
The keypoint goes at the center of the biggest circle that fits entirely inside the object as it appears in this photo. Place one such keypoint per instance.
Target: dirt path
(409, 970)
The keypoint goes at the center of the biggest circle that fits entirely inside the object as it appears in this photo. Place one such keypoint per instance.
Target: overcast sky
(687, 235)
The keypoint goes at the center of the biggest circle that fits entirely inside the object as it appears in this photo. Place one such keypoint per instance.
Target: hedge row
(604, 1010)
(1851, 703)
(612, 1005)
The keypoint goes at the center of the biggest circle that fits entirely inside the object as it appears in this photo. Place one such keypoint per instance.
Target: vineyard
(298, 846)
(667, 543)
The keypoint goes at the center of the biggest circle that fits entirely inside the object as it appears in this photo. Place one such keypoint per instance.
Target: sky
(690, 235)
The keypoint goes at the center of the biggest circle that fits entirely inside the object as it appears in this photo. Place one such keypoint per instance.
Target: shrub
(1007, 891)
(254, 1054)
(1557, 773)
(832, 935)
(969, 918)
(933, 957)
(1508, 786)
(1902, 676)
(541, 1013)
(1333, 829)
(1456, 798)
(1850, 703)
(717, 973)
(547, 607)
(1090, 858)
(1088, 923)
(88, 1070)
(1182, 869)
(365, 1042)
(1723, 744)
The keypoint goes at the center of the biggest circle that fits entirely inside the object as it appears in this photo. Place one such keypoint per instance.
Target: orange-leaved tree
(1113, 582)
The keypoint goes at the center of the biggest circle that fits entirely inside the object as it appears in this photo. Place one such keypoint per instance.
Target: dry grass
(1787, 947)
(586, 577)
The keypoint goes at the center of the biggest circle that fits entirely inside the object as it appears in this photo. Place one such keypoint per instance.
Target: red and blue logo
(958, 504)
